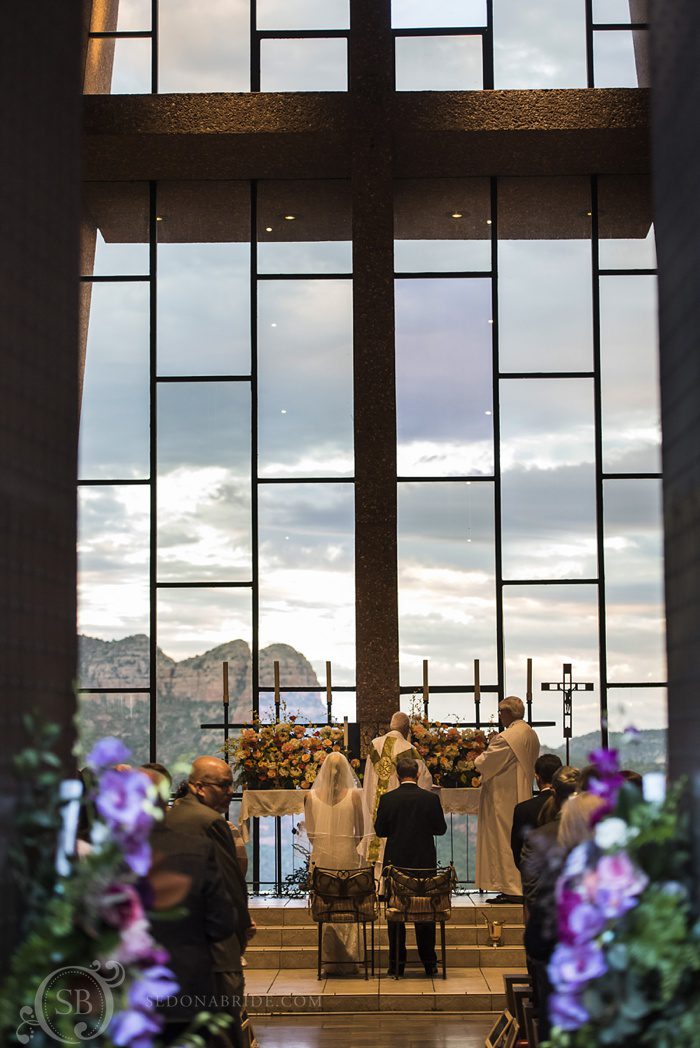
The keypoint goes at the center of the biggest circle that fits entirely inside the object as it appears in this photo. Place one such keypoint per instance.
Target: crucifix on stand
(567, 687)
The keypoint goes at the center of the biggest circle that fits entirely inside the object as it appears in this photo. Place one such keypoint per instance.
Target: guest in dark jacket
(200, 814)
(526, 814)
(185, 876)
(409, 818)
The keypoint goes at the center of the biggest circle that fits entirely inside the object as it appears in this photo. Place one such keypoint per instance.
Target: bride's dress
(335, 830)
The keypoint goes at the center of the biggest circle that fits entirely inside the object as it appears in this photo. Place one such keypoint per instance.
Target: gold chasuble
(380, 777)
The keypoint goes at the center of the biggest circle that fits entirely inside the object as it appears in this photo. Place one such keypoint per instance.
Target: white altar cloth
(263, 803)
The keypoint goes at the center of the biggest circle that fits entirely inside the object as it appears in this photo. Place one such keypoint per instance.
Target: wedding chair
(420, 896)
(344, 897)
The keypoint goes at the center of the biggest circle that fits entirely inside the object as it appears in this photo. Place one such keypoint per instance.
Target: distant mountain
(643, 752)
(189, 693)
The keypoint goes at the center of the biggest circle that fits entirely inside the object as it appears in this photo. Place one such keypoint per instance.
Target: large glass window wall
(528, 453)
(166, 46)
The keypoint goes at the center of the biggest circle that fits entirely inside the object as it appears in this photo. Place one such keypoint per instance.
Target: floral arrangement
(626, 968)
(448, 751)
(93, 936)
(96, 924)
(284, 756)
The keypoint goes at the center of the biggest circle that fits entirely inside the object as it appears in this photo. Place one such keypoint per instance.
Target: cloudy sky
(540, 44)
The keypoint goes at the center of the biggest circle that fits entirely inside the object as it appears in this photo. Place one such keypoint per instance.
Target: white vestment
(507, 769)
(380, 777)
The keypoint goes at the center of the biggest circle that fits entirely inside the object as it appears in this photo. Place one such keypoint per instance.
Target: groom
(409, 818)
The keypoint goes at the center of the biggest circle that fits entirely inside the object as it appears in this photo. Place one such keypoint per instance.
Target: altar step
(286, 938)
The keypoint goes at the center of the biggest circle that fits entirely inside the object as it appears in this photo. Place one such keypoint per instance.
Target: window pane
(114, 426)
(447, 590)
(442, 225)
(553, 625)
(544, 275)
(421, 14)
(118, 66)
(304, 65)
(203, 279)
(199, 629)
(113, 586)
(539, 44)
(548, 479)
(625, 230)
(634, 581)
(305, 378)
(307, 577)
(304, 227)
(124, 716)
(203, 482)
(620, 10)
(646, 710)
(131, 16)
(303, 14)
(204, 49)
(443, 377)
(614, 63)
(439, 63)
(630, 375)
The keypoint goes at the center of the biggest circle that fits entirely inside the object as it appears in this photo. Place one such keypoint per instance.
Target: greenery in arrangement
(448, 751)
(88, 967)
(626, 969)
(284, 756)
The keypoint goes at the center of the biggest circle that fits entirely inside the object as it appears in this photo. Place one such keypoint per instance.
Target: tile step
(456, 935)
(291, 957)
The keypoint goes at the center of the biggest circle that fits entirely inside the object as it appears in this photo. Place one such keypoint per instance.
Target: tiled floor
(359, 1031)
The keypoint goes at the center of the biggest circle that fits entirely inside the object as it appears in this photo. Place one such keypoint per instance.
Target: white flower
(577, 861)
(654, 787)
(612, 833)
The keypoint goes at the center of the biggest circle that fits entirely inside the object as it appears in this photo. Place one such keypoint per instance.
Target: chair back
(343, 896)
(419, 895)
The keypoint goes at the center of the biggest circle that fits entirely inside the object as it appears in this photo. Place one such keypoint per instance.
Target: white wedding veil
(336, 816)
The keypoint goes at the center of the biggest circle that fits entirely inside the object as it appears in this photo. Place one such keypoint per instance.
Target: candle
(345, 732)
(226, 684)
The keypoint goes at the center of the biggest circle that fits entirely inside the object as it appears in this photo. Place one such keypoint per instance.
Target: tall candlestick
(329, 694)
(345, 733)
(477, 693)
(426, 690)
(528, 692)
(226, 697)
(276, 671)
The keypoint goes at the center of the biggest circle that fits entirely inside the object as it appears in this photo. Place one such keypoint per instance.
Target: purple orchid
(571, 967)
(121, 905)
(135, 1028)
(136, 945)
(108, 752)
(579, 921)
(153, 985)
(606, 761)
(566, 1011)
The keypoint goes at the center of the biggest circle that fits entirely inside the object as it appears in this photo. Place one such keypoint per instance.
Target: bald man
(201, 813)
(380, 774)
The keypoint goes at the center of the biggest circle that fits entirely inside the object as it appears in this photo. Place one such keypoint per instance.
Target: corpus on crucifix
(567, 687)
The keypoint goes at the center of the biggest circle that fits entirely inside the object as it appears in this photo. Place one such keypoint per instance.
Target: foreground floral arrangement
(284, 756)
(449, 752)
(627, 967)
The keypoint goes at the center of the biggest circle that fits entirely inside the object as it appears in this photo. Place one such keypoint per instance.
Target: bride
(337, 825)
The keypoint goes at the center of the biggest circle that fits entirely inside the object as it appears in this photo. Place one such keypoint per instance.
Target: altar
(275, 803)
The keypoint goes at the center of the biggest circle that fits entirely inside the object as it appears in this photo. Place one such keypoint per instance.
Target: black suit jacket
(204, 916)
(409, 817)
(525, 817)
(189, 815)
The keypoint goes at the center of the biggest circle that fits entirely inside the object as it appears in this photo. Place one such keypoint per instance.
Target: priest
(380, 774)
(507, 770)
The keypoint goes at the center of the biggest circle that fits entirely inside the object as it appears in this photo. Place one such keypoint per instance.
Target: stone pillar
(676, 171)
(40, 51)
(371, 93)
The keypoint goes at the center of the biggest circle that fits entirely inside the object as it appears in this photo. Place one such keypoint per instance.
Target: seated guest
(527, 812)
(409, 818)
(161, 769)
(542, 860)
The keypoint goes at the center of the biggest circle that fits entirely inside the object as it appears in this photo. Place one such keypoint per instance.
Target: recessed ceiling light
(456, 214)
(268, 229)
(159, 218)
(289, 218)
(490, 321)
(489, 222)
(488, 412)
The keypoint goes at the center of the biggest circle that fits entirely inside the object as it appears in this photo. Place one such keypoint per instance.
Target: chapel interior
(366, 334)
